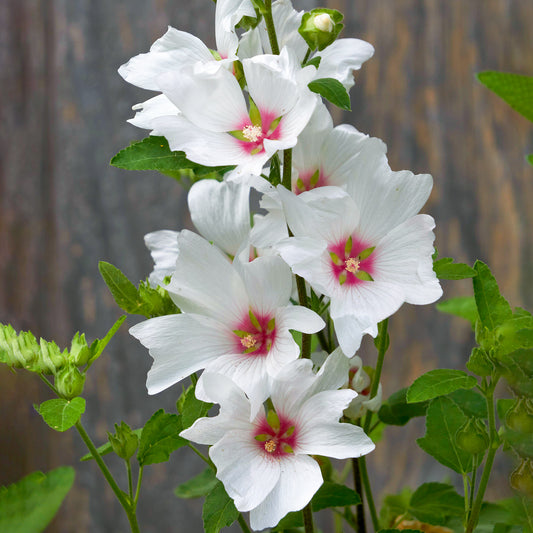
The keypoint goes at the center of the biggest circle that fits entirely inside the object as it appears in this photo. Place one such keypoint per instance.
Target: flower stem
(494, 444)
(200, 454)
(138, 490)
(271, 31)
(126, 504)
(368, 493)
(307, 54)
(307, 513)
(359, 508)
(130, 480)
(287, 169)
(243, 524)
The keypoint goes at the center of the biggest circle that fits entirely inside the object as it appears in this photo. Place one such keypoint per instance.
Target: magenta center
(276, 441)
(255, 334)
(255, 134)
(346, 264)
(308, 180)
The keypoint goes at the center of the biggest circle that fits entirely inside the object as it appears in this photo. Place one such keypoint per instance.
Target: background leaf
(191, 408)
(433, 503)
(332, 90)
(61, 414)
(219, 510)
(397, 412)
(159, 438)
(28, 505)
(439, 382)
(462, 306)
(199, 485)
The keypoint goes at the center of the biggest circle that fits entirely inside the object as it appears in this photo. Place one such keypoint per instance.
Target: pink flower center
(308, 180)
(251, 135)
(276, 435)
(255, 334)
(352, 261)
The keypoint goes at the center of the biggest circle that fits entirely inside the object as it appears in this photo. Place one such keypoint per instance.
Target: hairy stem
(271, 31)
(358, 486)
(368, 493)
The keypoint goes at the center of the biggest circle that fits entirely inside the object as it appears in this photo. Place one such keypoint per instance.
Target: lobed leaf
(333, 91)
(439, 382)
(159, 438)
(29, 505)
(445, 268)
(191, 408)
(219, 511)
(61, 414)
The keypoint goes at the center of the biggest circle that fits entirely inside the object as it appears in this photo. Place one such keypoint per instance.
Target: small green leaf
(61, 414)
(462, 306)
(219, 510)
(159, 438)
(470, 402)
(98, 345)
(198, 486)
(394, 505)
(433, 503)
(315, 62)
(439, 382)
(332, 90)
(515, 89)
(530, 159)
(443, 419)
(492, 307)
(123, 290)
(397, 412)
(191, 408)
(106, 448)
(445, 268)
(479, 363)
(29, 505)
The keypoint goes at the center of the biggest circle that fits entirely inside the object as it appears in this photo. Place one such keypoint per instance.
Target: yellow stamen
(351, 265)
(252, 133)
(248, 341)
(270, 446)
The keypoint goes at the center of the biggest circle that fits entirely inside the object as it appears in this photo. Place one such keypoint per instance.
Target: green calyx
(69, 382)
(124, 442)
(472, 437)
(320, 27)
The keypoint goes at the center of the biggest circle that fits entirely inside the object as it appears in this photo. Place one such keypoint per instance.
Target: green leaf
(123, 290)
(530, 159)
(443, 419)
(191, 408)
(106, 448)
(61, 414)
(445, 268)
(515, 89)
(315, 61)
(394, 505)
(198, 486)
(219, 510)
(332, 90)
(156, 300)
(470, 402)
(328, 495)
(479, 363)
(462, 306)
(492, 307)
(29, 505)
(397, 412)
(153, 153)
(159, 438)
(433, 503)
(99, 345)
(439, 382)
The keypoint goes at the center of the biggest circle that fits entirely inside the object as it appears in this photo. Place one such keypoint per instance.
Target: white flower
(369, 256)
(360, 382)
(264, 460)
(235, 320)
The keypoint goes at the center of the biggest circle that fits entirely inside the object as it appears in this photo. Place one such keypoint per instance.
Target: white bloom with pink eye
(217, 126)
(369, 253)
(236, 320)
(264, 458)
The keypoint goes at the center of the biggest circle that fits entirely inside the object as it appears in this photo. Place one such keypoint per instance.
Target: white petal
(180, 345)
(205, 281)
(221, 212)
(299, 480)
(163, 246)
(341, 58)
(146, 112)
(227, 15)
(299, 318)
(208, 95)
(287, 21)
(247, 473)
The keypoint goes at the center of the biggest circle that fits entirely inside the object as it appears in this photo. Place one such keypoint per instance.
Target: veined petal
(163, 246)
(205, 281)
(299, 318)
(208, 95)
(180, 345)
(341, 58)
(227, 15)
(300, 478)
(248, 474)
(221, 212)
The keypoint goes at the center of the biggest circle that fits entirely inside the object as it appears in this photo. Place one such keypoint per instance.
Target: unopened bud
(320, 27)
(472, 437)
(79, 351)
(522, 478)
(69, 382)
(323, 23)
(520, 416)
(124, 442)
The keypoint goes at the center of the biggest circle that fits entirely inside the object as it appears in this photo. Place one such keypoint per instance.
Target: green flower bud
(69, 382)
(79, 350)
(472, 437)
(124, 441)
(520, 416)
(51, 358)
(320, 27)
(521, 478)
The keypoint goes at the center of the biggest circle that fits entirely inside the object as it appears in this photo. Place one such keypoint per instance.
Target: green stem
(477, 461)
(382, 348)
(48, 384)
(286, 180)
(138, 489)
(368, 493)
(130, 480)
(243, 524)
(307, 513)
(128, 507)
(307, 54)
(493, 448)
(466, 497)
(359, 508)
(306, 337)
(200, 454)
(271, 31)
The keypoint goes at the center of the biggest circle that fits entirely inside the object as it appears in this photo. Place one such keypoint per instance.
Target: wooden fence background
(63, 109)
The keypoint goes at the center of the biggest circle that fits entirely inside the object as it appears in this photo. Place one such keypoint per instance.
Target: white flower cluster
(349, 227)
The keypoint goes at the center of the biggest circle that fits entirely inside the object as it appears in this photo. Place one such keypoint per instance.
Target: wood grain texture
(62, 208)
